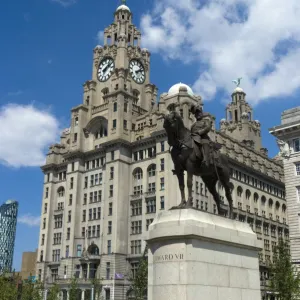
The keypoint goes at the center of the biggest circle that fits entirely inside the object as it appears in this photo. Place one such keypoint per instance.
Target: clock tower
(120, 90)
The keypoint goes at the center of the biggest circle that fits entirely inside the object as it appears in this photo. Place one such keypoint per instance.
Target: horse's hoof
(182, 204)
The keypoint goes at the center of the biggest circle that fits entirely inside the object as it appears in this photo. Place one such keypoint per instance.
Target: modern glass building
(8, 223)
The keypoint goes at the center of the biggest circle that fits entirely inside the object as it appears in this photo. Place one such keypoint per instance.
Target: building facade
(112, 172)
(288, 134)
(28, 268)
(8, 224)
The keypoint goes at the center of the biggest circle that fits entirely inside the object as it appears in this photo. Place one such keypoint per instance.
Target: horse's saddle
(189, 143)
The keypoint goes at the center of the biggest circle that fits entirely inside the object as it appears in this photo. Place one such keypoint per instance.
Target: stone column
(193, 253)
(68, 295)
(45, 294)
(88, 271)
(82, 294)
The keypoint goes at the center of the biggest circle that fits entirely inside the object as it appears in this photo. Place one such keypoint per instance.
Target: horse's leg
(190, 189)
(210, 183)
(180, 176)
(225, 180)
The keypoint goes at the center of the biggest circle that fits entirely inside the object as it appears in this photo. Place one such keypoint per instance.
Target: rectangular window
(78, 250)
(75, 137)
(85, 199)
(47, 192)
(296, 145)
(68, 233)
(162, 202)
(44, 223)
(43, 240)
(73, 166)
(96, 179)
(76, 121)
(99, 213)
(98, 230)
(110, 209)
(162, 146)
(69, 216)
(125, 106)
(109, 227)
(109, 247)
(83, 215)
(112, 155)
(151, 206)
(162, 183)
(111, 191)
(108, 270)
(162, 164)
(114, 123)
(92, 180)
(83, 232)
(48, 177)
(86, 180)
(71, 183)
(45, 208)
(70, 199)
(148, 222)
(115, 106)
(297, 169)
(90, 214)
(125, 124)
(111, 172)
(298, 193)
(136, 208)
(136, 247)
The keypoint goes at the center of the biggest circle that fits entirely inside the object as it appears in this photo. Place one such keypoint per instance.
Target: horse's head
(173, 124)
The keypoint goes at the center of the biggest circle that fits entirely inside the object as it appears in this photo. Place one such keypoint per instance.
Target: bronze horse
(184, 159)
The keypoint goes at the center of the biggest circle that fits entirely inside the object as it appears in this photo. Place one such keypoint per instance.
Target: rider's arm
(207, 128)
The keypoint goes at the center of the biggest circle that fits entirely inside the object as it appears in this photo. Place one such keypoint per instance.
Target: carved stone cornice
(54, 167)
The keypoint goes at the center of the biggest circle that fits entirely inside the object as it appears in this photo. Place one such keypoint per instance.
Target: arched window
(239, 191)
(277, 205)
(151, 170)
(93, 249)
(255, 197)
(138, 174)
(283, 208)
(248, 194)
(270, 203)
(115, 106)
(61, 191)
(263, 200)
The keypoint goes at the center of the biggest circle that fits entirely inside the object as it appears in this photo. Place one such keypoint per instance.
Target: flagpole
(114, 280)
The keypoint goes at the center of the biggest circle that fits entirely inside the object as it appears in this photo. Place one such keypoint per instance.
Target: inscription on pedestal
(168, 257)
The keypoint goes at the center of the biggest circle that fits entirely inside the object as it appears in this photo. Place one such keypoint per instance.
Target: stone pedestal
(195, 255)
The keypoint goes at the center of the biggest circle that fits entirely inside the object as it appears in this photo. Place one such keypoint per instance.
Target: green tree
(32, 290)
(8, 286)
(140, 281)
(53, 292)
(284, 277)
(97, 285)
(73, 289)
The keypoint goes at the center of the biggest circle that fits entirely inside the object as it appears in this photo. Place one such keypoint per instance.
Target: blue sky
(46, 55)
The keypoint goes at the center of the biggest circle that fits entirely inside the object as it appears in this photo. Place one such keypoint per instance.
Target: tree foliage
(53, 292)
(284, 277)
(140, 281)
(73, 289)
(32, 290)
(97, 285)
(8, 286)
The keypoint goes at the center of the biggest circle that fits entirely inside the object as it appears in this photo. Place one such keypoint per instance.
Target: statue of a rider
(199, 134)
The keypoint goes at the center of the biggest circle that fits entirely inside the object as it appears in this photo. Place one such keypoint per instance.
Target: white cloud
(254, 39)
(29, 220)
(65, 3)
(25, 132)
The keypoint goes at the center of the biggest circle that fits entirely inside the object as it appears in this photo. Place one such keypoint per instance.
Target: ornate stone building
(112, 172)
(288, 134)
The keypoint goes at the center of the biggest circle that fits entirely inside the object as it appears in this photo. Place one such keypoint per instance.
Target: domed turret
(175, 89)
(123, 7)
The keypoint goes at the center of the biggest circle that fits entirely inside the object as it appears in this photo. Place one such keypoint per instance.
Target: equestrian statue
(194, 152)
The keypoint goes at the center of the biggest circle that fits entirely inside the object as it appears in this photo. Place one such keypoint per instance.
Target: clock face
(137, 71)
(106, 68)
